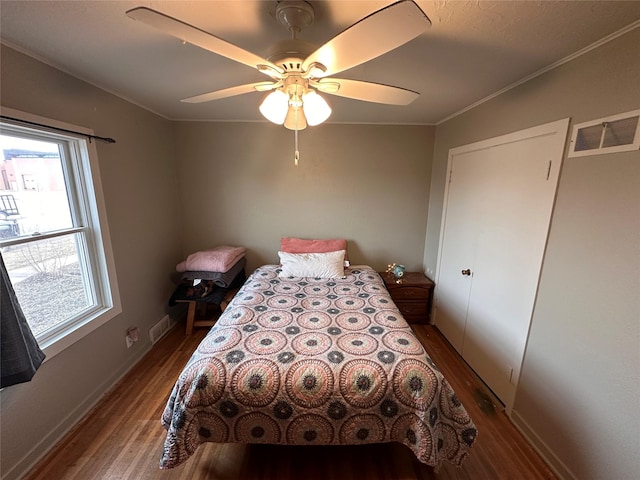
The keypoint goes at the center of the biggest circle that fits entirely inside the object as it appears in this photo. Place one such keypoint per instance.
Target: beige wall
(579, 389)
(368, 184)
(580, 380)
(238, 185)
(139, 183)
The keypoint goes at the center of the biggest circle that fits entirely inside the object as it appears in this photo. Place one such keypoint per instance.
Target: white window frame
(90, 202)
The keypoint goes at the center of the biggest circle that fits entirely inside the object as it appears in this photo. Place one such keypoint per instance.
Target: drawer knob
(466, 272)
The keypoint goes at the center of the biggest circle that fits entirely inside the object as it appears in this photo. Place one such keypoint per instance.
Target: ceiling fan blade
(366, 91)
(232, 91)
(374, 35)
(194, 35)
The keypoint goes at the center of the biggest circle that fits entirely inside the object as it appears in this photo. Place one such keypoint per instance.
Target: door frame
(560, 127)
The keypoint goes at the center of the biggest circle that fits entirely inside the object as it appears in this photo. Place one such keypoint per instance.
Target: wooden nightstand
(413, 295)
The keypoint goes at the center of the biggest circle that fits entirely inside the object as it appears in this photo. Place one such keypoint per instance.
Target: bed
(314, 360)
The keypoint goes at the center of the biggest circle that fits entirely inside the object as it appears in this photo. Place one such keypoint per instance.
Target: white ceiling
(472, 50)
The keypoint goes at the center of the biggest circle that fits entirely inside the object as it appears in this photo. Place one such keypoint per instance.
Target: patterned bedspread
(310, 361)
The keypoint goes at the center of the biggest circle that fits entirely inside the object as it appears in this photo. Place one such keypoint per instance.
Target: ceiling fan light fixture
(299, 69)
(316, 108)
(295, 119)
(274, 107)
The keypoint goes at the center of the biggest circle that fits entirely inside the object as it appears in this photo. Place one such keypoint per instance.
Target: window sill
(55, 345)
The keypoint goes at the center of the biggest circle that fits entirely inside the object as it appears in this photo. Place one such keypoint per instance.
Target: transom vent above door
(617, 133)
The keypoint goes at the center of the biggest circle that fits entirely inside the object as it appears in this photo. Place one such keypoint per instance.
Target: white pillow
(316, 265)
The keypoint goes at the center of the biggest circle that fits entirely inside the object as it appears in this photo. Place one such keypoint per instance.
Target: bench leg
(191, 315)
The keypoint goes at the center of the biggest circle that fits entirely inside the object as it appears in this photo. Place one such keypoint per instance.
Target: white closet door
(496, 225)
(458, 246)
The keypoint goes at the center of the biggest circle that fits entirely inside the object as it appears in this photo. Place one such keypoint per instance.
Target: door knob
(466, 272)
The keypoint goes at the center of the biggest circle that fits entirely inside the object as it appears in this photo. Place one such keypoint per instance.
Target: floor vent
(617, 133)
(160, 329)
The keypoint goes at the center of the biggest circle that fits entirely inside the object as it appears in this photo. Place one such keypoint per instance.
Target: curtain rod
(103, 139)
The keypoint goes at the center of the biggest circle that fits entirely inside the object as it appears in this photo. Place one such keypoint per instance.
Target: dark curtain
(20, 355)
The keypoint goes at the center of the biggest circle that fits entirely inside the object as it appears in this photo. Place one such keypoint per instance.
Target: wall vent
(160, 329)
(617, 133)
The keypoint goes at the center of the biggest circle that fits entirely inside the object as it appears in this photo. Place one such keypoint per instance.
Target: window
(53, 234)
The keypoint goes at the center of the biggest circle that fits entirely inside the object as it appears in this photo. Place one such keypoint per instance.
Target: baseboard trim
(65, 426)
(558, 467)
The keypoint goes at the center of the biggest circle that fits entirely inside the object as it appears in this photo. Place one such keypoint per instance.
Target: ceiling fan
(298, 69)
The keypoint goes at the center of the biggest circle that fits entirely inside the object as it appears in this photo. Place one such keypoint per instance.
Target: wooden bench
(200, 314)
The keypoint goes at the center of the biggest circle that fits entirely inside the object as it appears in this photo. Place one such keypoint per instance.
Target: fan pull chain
(296, 153)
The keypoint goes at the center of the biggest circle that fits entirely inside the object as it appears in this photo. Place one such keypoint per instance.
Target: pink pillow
(301, 245)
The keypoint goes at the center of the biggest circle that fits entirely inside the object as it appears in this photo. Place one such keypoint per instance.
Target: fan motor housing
(289, 54)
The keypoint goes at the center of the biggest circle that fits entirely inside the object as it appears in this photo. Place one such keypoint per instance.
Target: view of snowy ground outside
(45, 274)
(47, 281)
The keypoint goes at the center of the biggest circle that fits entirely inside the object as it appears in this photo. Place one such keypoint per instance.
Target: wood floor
(122, 438)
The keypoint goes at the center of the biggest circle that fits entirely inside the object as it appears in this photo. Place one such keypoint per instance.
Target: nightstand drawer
(412, 309)
(405, 292)
(412, 295)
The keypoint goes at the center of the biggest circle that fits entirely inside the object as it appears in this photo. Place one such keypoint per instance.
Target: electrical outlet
(129, 341)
